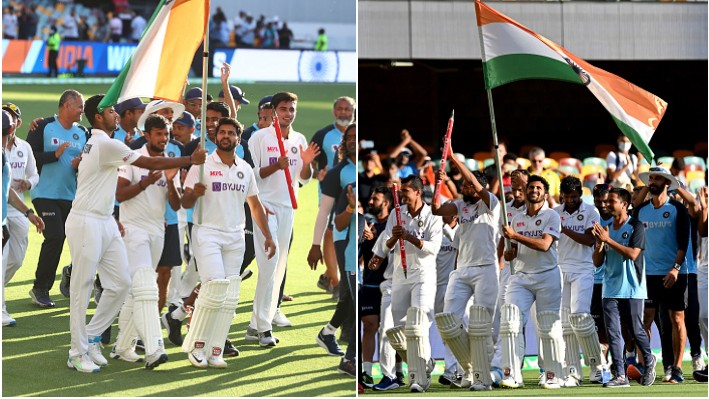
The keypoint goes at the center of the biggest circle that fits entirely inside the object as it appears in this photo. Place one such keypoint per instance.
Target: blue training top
(600, 271)
(334, 183)
(57, 178)
(624, 277)
(666, 232)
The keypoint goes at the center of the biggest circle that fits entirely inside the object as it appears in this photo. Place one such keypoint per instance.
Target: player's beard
(229, 147)
(157, 149)
(344, 122)
(655, 189)
(374, 210)
(470, 199)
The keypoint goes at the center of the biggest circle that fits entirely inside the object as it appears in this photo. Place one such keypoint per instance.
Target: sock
(329, 330)
(179, 313)
(367, 367)
(399, 367)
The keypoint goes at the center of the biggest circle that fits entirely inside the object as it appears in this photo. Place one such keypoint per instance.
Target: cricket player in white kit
(94, 237)
(476, 276)
(537, 279)
(23, 168)
(576, 264)
(219, 242)
(142, 194)
(273, 190)
(413, 296)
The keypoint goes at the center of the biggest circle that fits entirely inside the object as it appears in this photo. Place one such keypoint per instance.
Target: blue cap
(7, 121)
(237, 93)
(265, 100)
(186, 119)
(193, 94)
(132, 103)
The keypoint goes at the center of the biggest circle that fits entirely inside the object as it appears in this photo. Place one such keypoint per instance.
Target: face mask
(624, 146)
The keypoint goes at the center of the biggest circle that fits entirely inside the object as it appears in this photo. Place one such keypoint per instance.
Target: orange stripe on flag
(486, 15)
(182, 23)
(15, 55)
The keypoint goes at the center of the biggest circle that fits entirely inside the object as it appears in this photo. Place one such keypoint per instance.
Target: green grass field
(34, 352)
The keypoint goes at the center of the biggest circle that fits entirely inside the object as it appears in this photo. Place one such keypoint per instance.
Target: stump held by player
(444, 158)
(397, 208)
(289, 179)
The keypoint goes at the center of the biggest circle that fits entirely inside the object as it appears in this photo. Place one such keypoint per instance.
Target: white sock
(329, 330)
(367, 367)
(179, 313)
(399, 367)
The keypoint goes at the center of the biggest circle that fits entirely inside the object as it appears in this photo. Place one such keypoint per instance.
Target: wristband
(677, 266)
(27, 213)
(141, 186)
(349, 209)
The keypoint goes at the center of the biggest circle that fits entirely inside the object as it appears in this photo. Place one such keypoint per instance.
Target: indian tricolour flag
(160, 64)
(513, 52)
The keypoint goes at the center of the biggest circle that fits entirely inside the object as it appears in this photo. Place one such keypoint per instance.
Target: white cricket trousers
(16, 246)
(219, 253)
(477, 282)
(703, 312)
(143, 249)
(543, 289)
(94, 244)
(270, 271)
(387, 354)
(418, 290)
(577, 291)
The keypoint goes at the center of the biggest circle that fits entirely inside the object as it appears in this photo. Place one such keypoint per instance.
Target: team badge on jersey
(20, 154)
(171, 154)
(420, 223)
(294, 150)
(666, 215)
(240, 174)
(75, 136)
(538, 222)
(625, 235)
(579, 217)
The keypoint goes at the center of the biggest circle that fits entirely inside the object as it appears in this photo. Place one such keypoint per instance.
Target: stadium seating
(550, 163)
(665, 161)
(695, 185)
(472, 164)
(575, 162)
(591, 169)
(681, 153)
(558, 155)
(569, 170)
(487, 162)
(694, 175)
(482, 155)
(601, 150)
(643, 167)
(595, 161)
(523, 163)
(694, 161)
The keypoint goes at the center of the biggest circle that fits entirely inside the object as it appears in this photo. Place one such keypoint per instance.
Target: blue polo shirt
(334, 184)
(624, 277)
(600, 271)
(666, 232)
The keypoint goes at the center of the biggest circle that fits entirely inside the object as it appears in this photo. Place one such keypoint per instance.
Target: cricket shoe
(328, 342)
(216, 361)
(698, 362)
(479, 386)
(156, 359)
(668, 374)
(347, 367)
(447, 378)
(367, 380)
(324, 282)
(83, 364)
(677, 376)
(246, 274)
(280, 320)
(95, 354)
(197, 357)
(601, 376)
(251, 334)
(230, 350)
(496, 375)
(462, 382)
(542, 378)
(7, 320)
(66, 281)
(700, 375)
(552, 382)
(173, 327)
(650, 374)
(386, 384)
(618, 382)
(127, 355)
(41, 298)
(267, 340)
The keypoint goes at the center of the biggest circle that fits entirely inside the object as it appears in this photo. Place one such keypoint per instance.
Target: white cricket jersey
(147, 209)
(529, 260)
(702, 256)
(98, 174)
(479, 227)
(575, 257)
(227, 189)
(445, 260)
(511, 213)
(22, 167)
(263, 145)
(381, 250)
(426, 227)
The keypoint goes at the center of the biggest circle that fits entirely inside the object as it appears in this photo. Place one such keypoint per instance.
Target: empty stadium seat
(558, 155)
(575, 162)
(681, 153)
(601, 150)
(569, 170)
(665, 161)
(595, 161)
(694, 175)
(488, 162)
(695, 185)
(592, 170)
(695, 161)
(524, 163)
(482, 155)
(550, 163)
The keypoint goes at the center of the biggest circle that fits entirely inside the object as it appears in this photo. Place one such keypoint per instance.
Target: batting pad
(453, 334)
(126, 328)
(206, 310)
(510, 338)
(146, 317)
(552, 337)
(585, 329)
(418, 347)
(481, 345)
(397, 340)
(220, 330)
(573, 356)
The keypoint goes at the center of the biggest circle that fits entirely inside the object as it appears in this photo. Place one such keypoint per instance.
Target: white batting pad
(454, 335)
(573, 356)
(226, 315)
(552, 338)
(585, 329)
(510, 327)
(418, 347)
(481, 345)
(207, 306)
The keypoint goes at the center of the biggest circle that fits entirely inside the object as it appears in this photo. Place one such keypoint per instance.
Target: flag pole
(205, 66)
(495, 143)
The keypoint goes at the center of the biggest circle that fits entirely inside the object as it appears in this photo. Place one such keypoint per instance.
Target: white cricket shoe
(251, 334)
(83, 364)
(127, 355)
(571, 381)
(552, 381)
(7, 320)
(95, 354)
(697, 361)
(157, 358)
(480, 386)
(217, 362)
(510, 382)
(197, 358)
(281, 320)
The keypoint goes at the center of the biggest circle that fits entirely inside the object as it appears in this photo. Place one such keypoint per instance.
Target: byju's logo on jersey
(216, 186)
(219, 186)
(272, 160)
(55, 141)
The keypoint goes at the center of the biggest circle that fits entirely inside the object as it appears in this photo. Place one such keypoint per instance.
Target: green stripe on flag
(636, 139)
(510, 68)
(114, 92)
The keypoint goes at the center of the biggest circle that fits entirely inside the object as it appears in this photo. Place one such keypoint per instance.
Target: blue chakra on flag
(318, 66)
(585, 77)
